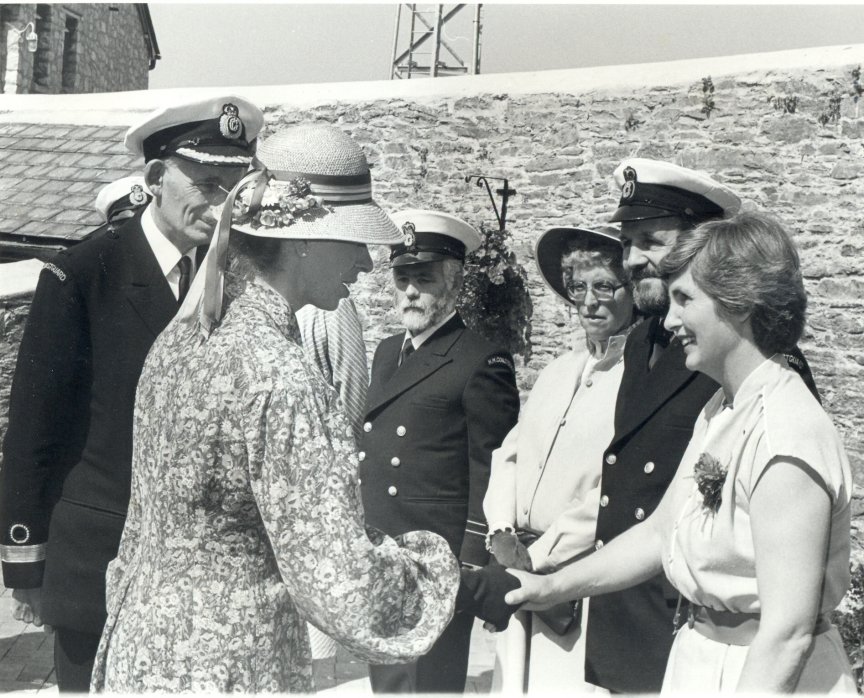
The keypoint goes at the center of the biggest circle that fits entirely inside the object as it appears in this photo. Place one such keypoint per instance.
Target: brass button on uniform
(598, 544)
(367, 427)
(604, 501)
(361, 456)
(392, 491)
(589, 383)
(649, 467)
(401, 431)
(639, 514)
(611, 459)
(395, 462)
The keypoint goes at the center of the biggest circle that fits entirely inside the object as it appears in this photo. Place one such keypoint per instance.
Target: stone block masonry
(782, 129)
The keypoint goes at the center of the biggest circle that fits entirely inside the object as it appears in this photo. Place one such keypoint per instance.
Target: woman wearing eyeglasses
(544, 491)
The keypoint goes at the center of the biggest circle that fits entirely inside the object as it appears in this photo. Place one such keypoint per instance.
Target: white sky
(210, 44)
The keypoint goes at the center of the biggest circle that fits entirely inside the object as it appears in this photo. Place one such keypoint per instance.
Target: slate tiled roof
(50, 175)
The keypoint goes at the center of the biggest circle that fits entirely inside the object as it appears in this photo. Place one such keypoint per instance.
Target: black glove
(481, 593)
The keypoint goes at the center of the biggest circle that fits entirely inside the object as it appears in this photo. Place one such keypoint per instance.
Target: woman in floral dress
(754, 529)
(245, 518)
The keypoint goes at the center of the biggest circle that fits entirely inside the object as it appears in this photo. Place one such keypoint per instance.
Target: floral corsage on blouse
(283, 203)
(710, 476)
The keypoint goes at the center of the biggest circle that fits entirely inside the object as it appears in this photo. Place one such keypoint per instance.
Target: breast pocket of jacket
(432, 402)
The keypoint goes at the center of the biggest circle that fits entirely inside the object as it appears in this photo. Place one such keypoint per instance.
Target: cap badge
(137, 195)
(629, 188)
(408, 230)
(230, 124)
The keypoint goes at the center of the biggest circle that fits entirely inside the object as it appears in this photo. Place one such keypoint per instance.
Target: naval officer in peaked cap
(441, 399)
(98, 307)
(630, 632)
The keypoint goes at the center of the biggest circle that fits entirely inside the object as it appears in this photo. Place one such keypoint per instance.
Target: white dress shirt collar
(166, 253)
(418, 340)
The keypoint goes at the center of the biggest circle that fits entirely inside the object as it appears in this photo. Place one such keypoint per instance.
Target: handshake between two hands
(481, 591)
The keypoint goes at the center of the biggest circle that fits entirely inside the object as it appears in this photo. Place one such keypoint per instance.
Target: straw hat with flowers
(310, 182)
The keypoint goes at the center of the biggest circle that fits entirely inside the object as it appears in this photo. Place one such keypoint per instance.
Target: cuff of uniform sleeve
(473, 552)
(23, 575)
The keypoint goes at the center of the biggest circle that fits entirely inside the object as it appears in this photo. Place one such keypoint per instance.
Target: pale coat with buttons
(546, 475)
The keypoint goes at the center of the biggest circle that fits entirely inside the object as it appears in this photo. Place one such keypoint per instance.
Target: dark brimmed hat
(549, 249)
(218, 131)
(430, 236)
(656, 189)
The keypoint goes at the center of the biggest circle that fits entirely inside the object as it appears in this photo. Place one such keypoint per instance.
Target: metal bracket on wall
(504, 192)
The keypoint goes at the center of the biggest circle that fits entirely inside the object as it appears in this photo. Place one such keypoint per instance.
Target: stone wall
(788, 139)
(111, 50)
(772, 137)
(13, 315)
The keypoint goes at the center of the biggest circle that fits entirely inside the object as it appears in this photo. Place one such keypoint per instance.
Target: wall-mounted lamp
(30, 37)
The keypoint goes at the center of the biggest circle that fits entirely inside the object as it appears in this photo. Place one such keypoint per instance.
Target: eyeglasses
(602, 290)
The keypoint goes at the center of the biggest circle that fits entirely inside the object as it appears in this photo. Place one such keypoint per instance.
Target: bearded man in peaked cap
(441, 399)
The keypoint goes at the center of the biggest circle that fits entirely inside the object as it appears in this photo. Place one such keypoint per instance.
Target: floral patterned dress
(245, 520)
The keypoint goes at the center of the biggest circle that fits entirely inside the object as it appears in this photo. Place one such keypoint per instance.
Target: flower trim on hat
(284, 203)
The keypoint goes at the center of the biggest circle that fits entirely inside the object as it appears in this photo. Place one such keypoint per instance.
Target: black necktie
(185, 266)
(407, 350)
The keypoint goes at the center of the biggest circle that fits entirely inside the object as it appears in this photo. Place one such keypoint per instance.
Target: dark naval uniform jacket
(630, 632)
(430, 428)
(65, 478)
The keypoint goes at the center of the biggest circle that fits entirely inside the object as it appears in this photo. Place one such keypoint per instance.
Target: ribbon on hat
(202, 308)
(334, 190)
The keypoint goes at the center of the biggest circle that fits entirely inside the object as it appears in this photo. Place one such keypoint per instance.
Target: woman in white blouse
(545, 480)
(754, 530)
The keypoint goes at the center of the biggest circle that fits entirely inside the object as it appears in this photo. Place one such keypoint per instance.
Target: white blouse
(709, 556)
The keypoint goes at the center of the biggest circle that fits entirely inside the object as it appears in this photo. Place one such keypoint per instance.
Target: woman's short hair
(249, 255)
(592, 251)
(747, 264)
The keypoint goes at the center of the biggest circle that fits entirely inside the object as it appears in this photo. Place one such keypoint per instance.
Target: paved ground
(27, 665)
(26, 654)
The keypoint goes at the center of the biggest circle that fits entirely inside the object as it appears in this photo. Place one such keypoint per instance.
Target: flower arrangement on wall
(495, 301)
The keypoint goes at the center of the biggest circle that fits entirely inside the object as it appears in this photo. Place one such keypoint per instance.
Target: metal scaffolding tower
(422, 59)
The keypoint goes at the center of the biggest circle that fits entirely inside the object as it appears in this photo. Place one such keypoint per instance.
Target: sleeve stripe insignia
(22, 553)
(19, 533)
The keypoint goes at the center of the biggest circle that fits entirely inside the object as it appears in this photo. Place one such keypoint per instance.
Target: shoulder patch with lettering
(500, 360)
(57, 271)
(794, 362)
